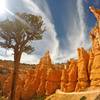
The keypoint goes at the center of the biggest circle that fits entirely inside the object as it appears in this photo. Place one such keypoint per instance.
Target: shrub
(98, 97)
(83, 98)
(38, 97)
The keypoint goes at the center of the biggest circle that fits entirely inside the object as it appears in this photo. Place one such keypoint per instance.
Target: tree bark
(17, 56)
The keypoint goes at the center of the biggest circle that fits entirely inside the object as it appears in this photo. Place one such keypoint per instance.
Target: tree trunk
(17, 57)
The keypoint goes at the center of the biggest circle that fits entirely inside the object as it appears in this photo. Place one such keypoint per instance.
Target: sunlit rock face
(27, 90)
(41, 88)
(83, 77)
(95, 37)
(69, 77)
(7, 87)
(45, 61)
(44, 65)
(96, 13)
(35, 85)
(72, 75)
(53, 80)
(64, 78)
(91, 58)
(95, 71)
(24, 75)
(19, 88)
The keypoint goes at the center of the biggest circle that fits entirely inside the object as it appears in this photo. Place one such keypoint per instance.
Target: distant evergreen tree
(83, 98)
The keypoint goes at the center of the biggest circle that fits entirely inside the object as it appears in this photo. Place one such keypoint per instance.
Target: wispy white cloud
(77, 30)
(6, 54)
(29, 59)
(49, 41)
(75, 33)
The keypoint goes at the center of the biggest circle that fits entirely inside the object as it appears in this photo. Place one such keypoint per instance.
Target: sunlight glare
(2, 6)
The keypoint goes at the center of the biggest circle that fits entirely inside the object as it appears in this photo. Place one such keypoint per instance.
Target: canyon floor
(88, 95)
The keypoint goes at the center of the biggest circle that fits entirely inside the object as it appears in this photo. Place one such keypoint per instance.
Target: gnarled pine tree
(17, 34)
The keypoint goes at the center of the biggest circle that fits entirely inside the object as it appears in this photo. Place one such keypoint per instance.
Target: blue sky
(68, 23)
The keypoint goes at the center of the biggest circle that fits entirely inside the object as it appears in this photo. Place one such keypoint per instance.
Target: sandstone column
(95, 37)
(83, 77)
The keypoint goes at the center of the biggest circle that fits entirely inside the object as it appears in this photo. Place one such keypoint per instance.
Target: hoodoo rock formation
(64, 78)
(53, 80)
(95, 37)
(7, 87)
(45, 62)
(72, 76)
(27, 91)
(83, 77)
(75, 75)
(95, 70)
(36, 84)
(44, 66)
(41, 88)
(91, 58)
(69, 77)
